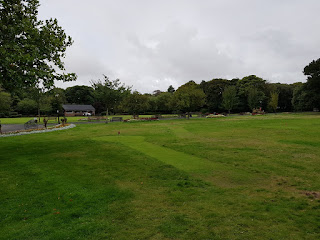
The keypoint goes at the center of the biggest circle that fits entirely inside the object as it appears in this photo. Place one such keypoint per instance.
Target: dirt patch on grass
(312, 194)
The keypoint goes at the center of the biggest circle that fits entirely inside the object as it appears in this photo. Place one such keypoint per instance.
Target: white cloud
(152, 44)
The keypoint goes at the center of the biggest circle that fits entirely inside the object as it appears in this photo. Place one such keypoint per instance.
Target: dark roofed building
(78, 110)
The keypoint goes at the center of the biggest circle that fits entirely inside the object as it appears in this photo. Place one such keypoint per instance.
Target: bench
(96, 118)
(31, 124)
(50, 118)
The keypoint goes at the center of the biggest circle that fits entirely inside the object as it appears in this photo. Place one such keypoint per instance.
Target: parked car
(86, 114)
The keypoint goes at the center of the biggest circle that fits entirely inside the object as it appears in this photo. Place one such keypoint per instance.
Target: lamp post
(57, 95)
(58, 116)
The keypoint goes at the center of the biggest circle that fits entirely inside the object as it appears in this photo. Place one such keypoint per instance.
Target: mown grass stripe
(177, 159)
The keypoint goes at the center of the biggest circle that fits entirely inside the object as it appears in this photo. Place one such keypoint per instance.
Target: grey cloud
(152, 44)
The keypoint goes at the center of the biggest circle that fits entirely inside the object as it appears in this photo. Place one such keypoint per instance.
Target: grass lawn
(240, 177)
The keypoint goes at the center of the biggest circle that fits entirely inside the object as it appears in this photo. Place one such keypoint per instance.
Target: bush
(27, 106)
(14, 115)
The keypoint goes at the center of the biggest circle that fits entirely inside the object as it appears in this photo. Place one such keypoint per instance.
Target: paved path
(17, 127)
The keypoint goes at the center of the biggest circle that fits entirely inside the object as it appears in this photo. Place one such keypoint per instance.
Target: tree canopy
(229, 98)
(189, 97)
(108, 93)
(31, 50)
(80, 95)
(312, 86)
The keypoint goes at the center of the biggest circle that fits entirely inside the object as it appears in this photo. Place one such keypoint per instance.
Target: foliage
(213, 90)
(171, 89)
(229, 98)
(31, 50)
(274, 99)
(108, 94)
(163, 102)
(245, 88)
(255, 98)
(188, 97)
(300, 100)
(136, 103)
(57, 97)
(27, 106)
(285, 96)
(80, 95)
(5, 102)
(312, 86)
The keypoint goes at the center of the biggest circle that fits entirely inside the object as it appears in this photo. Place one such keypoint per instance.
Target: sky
(152, 44)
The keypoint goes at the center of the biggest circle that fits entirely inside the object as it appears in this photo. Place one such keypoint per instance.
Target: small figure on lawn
(118, 133)
(45, 121)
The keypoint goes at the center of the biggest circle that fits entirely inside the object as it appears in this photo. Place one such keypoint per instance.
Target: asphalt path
(19, 127)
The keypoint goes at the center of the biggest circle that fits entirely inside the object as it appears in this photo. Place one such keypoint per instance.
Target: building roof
(74, 107)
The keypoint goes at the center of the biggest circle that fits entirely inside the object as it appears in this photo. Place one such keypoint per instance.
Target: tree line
(216, 95)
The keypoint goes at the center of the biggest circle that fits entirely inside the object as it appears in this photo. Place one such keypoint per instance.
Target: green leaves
(189, 97)
(31, 50)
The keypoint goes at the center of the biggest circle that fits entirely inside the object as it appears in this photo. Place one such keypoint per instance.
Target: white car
(87, 114)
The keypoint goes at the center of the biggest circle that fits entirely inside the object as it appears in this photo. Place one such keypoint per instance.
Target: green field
(240, 177)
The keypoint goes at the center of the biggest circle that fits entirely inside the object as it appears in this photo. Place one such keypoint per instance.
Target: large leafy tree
(249, 90)
(255, 98)
(28, 106)
(189, 97)
(274, 100)
(312, 86)
(300, 100)
(108, 94)
(31, 50)
(229, 98)
(136, 103)
(213, 90)
(80, 94)
(5, 101)
(285, 95)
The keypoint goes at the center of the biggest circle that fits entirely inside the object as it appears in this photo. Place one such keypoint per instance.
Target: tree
(300, 100)
(57, 97)
(229, 98)
(80, 95)
(213, 90)
(5, 102)
(136, 103)
(31, 50)
(171, 89)
(245, 87)
(189, 97)
(255, 98)
(27, 106)
(274, 99)
(163, 102)
(156, 93)
(285, 92)
(108, 94)
(312, 86)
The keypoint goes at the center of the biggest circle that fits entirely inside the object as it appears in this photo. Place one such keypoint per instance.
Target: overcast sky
(151, 44)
